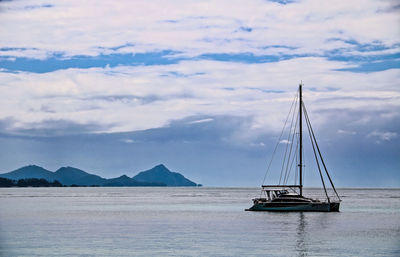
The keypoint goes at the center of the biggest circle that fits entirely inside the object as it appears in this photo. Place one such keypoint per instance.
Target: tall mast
(301, 140)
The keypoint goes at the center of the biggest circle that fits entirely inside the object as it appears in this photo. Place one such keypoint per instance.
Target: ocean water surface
(133, 221)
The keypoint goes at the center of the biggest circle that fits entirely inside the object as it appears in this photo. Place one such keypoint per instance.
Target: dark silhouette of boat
(284, 197)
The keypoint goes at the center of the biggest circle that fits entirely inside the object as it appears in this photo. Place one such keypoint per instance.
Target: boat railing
(292, 188)
(279, 186)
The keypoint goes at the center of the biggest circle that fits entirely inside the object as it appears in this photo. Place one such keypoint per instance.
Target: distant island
(37, 176)
(29, 182)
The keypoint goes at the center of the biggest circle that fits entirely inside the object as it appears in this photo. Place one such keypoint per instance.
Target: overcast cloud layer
(199, 77)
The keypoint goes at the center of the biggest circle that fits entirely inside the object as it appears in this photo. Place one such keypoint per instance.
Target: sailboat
(289, 197)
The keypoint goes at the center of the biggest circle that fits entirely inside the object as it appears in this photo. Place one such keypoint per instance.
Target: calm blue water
(190, 222)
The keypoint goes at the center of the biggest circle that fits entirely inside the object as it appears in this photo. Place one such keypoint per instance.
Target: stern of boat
(334, 206)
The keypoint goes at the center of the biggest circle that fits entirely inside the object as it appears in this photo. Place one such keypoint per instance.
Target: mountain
(126, 181)
(157, 176)
(65, 175)
(30, 171)
(69, 176)
(162, 174)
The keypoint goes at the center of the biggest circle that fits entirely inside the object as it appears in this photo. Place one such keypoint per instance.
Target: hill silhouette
(162, 174)
(70, 176)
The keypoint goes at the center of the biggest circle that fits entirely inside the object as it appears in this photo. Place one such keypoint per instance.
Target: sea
(191, 221)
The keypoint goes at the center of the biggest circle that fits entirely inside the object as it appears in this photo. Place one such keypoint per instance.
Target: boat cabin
(281, 194)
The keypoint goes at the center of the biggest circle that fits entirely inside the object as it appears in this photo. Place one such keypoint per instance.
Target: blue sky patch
(246, 57)
(246, 29)
(282, 1)
(31, 7)
(267, 90)
(374, 66)
(370, 63)
(58, 62)
(363, 63)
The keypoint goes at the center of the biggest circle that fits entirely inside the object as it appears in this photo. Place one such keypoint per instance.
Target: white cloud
(258, 144)
(346, 132)
(201, 121)
(141, 97)
(383, 136)
(128, 141)
(193, 27)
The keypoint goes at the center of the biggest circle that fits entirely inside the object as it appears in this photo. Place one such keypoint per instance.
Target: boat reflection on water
(302, 235)
(310, 229)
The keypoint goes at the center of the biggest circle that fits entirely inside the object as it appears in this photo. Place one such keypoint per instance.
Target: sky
(204, 87)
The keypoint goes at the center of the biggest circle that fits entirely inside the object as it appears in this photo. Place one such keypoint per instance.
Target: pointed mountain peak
(161, 166)
(162, 174)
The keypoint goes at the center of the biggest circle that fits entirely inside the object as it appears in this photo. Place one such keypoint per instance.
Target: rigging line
(304, 163)
(304, 166)
(276, 146)
(316, 157)
(319, 152)
(287, 143)
(290, 152)
(295, 171)
(297, 161)
(291, 164)
(291, 149)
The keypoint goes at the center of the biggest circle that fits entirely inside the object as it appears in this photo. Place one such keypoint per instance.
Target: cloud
(126, 98)
(193, 28)
(48, 128)
(346, 132)
(128, 141)
(201, 121)
(210, 153)
(383, 136)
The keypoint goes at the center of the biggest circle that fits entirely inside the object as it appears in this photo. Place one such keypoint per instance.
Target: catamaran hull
(314, 207)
